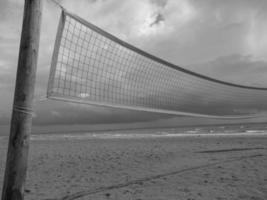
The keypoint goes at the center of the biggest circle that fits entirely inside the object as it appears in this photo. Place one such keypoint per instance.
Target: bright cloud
(256, 38)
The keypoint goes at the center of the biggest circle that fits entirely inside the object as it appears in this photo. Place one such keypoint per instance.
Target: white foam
(255, 131)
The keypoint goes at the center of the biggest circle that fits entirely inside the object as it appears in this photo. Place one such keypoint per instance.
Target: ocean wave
(140, 135)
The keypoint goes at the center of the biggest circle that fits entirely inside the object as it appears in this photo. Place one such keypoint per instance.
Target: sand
(189, 168)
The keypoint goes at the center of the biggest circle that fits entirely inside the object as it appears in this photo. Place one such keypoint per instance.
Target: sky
(225, 40)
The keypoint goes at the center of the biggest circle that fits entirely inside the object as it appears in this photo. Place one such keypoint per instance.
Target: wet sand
(190, 168)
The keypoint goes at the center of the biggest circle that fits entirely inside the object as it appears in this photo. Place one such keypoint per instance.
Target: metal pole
(21, 122)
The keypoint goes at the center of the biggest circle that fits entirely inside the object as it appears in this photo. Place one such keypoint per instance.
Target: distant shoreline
(114, 135)
(85, 129)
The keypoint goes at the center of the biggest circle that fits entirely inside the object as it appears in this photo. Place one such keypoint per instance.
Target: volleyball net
(92, 66)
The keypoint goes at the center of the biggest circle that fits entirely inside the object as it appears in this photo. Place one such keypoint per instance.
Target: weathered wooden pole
(21, 122)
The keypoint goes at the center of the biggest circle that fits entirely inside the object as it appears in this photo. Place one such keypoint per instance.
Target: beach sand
(171, 168)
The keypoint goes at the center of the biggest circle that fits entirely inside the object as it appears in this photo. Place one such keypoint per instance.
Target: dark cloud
(158, 19)
(160, 3)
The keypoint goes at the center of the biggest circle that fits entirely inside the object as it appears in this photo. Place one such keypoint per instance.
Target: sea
(55, 133)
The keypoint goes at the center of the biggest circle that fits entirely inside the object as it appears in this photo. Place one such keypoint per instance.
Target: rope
(22, 109)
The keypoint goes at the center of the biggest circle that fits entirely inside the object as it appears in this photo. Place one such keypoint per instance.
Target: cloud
(222, 39)
(215, 29)
(236, 68)
(256, 38)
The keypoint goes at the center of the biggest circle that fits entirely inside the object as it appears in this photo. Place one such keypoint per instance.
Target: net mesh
(91, 66)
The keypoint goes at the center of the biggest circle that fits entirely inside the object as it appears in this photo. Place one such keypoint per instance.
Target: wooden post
(17, 155)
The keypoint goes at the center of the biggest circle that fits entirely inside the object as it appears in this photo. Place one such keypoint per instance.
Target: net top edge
(152, 57)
